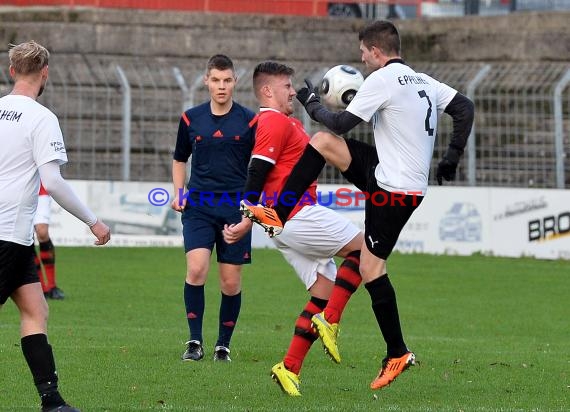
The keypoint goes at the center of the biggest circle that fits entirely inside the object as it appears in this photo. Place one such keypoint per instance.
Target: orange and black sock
(347, 281)
(38, 264)
(47, 256)
(304, 335)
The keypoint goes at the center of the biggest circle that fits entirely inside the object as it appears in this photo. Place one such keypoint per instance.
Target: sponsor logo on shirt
(57, 146)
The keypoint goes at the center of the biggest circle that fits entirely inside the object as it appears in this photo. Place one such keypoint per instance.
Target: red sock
(304, 335)
(47, 256)
(40, 272)
(347, 281)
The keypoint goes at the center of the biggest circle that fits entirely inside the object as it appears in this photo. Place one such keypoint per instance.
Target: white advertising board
(530, 222)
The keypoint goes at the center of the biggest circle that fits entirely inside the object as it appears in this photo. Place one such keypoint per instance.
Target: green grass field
(490, 334)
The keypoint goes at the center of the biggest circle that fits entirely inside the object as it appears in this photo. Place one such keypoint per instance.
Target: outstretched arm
(65, 196)
(338, 122)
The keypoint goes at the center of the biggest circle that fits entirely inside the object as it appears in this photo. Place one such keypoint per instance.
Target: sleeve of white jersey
(47, 140)
(445, 95)
(64, 194)
(371, 96)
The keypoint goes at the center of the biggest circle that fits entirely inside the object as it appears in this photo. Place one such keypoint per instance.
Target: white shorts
(43, 212)
(310, 240)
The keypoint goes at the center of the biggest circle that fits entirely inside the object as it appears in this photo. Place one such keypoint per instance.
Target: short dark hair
(273, 68)
(269, 68)
(219, 62)
(383, 34)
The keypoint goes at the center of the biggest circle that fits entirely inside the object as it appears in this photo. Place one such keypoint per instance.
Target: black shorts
(386, 213)
(364, 161)
(17, 268)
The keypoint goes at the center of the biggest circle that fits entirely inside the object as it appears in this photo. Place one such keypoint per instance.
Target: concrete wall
(179, 35)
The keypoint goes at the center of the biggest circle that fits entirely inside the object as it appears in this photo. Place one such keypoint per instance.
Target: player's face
(221, 85)
(369, 57)
(283, 94)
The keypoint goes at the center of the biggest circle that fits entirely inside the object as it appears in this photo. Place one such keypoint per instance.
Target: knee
(323, 141)
(43, 314)
(231, 286)
(365, 273)
(38, 315)
(196, 275)
(369, 272)
(322, 288)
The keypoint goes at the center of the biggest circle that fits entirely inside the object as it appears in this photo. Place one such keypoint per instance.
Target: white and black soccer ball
(339, 85)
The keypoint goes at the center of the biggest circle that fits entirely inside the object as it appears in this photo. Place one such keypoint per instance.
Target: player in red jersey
(314, 233)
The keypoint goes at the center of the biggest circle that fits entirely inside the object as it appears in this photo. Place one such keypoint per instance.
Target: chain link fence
(120, 116)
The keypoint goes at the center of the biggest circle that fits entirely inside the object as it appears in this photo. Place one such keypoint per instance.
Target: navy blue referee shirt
(220, 147)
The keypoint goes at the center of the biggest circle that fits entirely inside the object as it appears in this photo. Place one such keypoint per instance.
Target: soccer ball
(339, 85)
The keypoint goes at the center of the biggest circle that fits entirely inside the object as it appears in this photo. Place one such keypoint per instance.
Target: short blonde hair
(28, 58)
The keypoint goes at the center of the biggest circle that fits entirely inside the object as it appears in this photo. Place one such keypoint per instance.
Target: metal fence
(120, 117)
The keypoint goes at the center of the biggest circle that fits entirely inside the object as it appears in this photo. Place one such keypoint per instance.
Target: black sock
(39, 357)
(386, 311)
(194, 300)
(229, 313)
(303, 174)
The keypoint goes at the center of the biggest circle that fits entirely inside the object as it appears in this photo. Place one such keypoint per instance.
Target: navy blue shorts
(202, 227)
(17, 268)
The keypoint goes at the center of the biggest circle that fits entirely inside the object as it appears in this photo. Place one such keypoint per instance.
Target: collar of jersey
(268, 109)
(397, 60)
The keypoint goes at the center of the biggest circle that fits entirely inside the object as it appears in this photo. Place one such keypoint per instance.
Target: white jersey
(29, 137)
(404, 107)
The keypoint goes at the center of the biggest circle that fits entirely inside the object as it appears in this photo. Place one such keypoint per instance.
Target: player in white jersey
(32, 147)
(403, 106)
